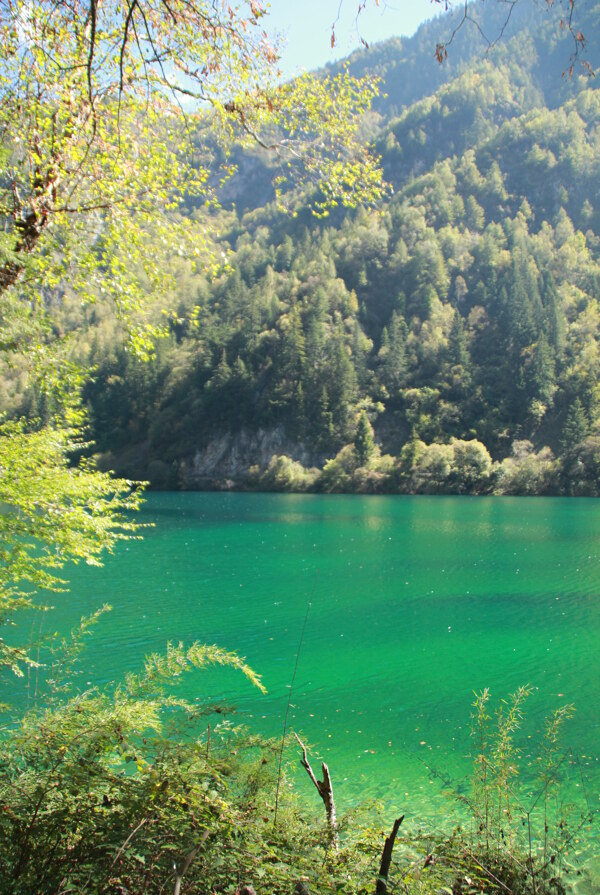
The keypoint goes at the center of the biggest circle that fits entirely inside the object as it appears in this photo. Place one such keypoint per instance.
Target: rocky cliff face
(227, 460)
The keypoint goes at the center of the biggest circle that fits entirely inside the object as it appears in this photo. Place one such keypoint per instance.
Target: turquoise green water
(415, 603)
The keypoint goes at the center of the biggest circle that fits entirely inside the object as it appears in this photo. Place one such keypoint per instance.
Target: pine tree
(222, 374)
(392, 354)
(324, 422)
(542, 371)
(458, 351)
(364, 444)
(520, 310)
(556, 324)
(341, 386)
(576, 426)
(290, 363)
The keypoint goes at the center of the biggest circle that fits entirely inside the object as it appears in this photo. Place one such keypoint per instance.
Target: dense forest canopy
(456, 316)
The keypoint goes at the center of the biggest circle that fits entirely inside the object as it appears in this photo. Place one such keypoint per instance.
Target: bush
(285, 474)
(461, 467)
(129, 791)
(336, 475)
(526, 472)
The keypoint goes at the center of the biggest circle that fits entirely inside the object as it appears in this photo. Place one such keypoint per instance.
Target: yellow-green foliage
(53, 513)
(100, 154)
(526, 471)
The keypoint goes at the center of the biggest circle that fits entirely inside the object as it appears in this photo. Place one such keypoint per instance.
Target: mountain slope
(460, 319)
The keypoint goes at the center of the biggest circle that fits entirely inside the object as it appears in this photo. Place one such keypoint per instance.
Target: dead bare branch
(386, 859)
(325, 790)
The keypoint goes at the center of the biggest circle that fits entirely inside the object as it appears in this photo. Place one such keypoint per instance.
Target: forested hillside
(447, 340)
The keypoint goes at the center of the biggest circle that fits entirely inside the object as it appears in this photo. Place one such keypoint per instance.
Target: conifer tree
(458, 351)
(542, 374)
(392, 354)
(364, 444)
(576, 426)
(555, 321)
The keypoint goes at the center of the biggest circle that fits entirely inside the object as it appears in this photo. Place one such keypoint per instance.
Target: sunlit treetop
(110, 115)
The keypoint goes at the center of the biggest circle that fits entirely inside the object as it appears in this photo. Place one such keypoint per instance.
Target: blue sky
(306, 27)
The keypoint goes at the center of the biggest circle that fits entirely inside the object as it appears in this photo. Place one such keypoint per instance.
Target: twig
(489, 873)
(531, 861)
(128, 840)
(289, 702)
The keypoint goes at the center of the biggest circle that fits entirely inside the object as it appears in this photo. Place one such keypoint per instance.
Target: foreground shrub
(130, 791)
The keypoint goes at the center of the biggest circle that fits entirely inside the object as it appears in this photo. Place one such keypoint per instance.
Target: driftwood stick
(325, 790)
(386, 859)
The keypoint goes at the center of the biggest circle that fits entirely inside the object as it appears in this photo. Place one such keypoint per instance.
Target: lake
(415, 603)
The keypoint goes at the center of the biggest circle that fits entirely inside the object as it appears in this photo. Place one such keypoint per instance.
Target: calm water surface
(415, 603)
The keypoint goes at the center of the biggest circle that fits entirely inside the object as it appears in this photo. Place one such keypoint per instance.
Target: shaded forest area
(446, 341)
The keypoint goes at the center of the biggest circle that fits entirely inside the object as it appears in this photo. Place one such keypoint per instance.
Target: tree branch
(90, 59)
(325, 790)
(566, 23)
(128, 840)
